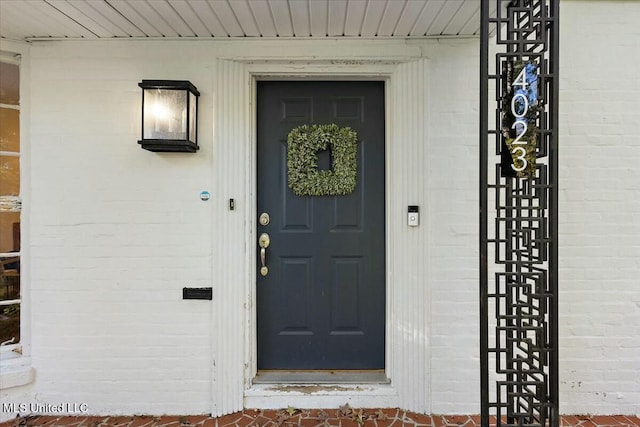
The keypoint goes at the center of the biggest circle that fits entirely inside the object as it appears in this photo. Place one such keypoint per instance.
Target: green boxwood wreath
(303, 144)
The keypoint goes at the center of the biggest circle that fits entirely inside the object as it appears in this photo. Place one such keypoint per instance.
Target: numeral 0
(525, 101)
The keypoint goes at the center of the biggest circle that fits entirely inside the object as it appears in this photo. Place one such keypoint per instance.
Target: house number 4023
(519, 110)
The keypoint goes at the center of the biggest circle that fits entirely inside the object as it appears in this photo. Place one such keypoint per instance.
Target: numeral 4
(521, 80)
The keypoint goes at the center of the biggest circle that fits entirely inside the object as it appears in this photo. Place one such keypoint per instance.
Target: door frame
(253, 235)
(326, 75)
(407, 317)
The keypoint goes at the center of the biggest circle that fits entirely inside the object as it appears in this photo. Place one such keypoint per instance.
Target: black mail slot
(197, 293)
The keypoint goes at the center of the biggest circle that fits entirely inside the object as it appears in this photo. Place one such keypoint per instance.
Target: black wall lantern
(169, 116)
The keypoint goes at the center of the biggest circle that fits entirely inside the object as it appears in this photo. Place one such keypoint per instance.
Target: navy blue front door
(322, 303)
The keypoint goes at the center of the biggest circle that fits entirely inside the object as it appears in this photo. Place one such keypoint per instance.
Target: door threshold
(321, 377)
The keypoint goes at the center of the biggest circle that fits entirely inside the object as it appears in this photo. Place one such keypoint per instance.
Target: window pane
(9, 130)
(9, 84)
(9, 232)
(10, 205)
(9, 290)
(9, 176)
(9, 278)
(10, 324)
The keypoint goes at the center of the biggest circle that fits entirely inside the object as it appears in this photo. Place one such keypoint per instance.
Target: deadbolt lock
(264, 219)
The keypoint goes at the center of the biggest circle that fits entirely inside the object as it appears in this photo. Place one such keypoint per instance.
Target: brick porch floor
(343, 417)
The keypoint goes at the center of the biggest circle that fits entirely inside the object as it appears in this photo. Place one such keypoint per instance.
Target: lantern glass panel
(165, 114)
(193, 100)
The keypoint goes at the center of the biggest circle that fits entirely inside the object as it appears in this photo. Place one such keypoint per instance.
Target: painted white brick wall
(599, 218)
(118, 231)
(453, 221)
(599, 207)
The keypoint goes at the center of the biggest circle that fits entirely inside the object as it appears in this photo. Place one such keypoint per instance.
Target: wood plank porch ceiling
(224, 19)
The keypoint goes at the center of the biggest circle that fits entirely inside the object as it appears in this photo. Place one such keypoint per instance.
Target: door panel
(346, 295)
(322, 304)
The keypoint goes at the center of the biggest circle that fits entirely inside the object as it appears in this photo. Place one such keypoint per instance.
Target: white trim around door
(407, 311)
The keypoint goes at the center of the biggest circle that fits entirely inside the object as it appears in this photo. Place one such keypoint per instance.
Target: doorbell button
(413, 216)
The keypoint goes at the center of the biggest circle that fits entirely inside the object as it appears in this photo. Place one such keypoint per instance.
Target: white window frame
(15, 359)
